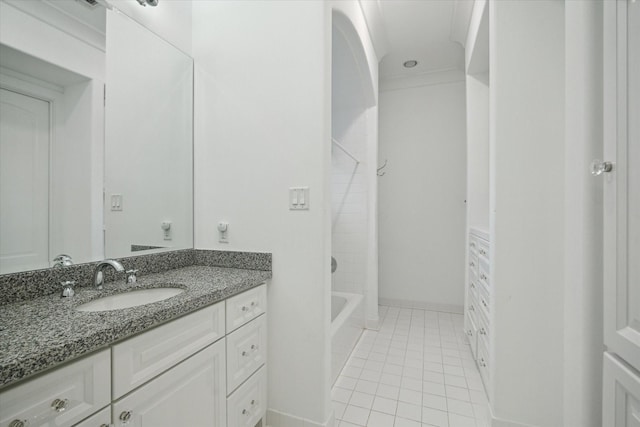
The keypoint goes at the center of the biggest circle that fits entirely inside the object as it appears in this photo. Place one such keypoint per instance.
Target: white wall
(583, 318)
(527, 211)
(262, 125)
(171, 20)
(421, 195)
(477, 152)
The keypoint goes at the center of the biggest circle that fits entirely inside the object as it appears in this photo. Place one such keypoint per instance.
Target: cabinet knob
(254, 347)
(19, 423)
(245, 412)
(598, 167)
(483, 332)
(253, 303)
(482, 363)
(125, 416)
(59, 405)
(244, 308)
(469, 332)
(472, 285)
(471, 308)
(253, 402)
(244, 353)
(472, 264)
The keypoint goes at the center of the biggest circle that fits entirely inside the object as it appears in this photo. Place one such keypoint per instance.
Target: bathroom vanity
(197, 358)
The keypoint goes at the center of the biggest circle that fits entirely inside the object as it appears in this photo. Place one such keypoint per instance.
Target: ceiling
(431, 32)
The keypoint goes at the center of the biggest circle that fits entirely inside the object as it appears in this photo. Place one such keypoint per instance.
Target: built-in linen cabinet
(478, 307)
(203, 369)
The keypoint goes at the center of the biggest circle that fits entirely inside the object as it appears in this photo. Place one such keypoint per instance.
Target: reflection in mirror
(51, 141)
(148, 154)
(53, 149)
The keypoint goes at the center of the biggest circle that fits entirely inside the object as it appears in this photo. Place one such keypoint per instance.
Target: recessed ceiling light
(410, 63)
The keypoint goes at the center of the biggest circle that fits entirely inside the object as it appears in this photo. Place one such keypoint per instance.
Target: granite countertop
(41, 333)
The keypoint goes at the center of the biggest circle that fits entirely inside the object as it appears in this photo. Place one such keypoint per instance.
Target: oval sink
(129, 299)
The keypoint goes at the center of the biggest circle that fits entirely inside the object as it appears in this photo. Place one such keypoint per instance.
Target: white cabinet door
(192, 393)
(622, 184)
(621, 396)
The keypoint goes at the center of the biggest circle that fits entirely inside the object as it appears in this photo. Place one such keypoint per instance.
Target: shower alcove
(354, 283)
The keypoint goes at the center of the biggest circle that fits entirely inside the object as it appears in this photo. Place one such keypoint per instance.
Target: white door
(24, 182)
(193, 393)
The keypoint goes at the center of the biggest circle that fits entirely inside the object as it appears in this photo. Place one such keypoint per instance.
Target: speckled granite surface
(27, 285)
(41, 333)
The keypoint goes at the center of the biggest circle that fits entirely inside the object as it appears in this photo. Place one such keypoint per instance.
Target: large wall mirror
(82, 175)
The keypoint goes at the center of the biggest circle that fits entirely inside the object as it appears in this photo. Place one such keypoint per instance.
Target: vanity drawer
(483, 249)
(472, 335)
(483, 274)
(78, 390)
(473, 245)
(138, 359)
(483, 365)
(246, 351)
(246, 306)
(483, 329)
(473, 264)
(483, 302)
(101, 419)
(248, 404)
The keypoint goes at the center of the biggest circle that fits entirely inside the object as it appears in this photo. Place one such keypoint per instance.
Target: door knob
(598, 167)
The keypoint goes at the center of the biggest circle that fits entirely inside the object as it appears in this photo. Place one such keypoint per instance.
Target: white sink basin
(129, 299)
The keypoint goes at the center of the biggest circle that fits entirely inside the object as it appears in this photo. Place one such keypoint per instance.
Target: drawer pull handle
(482, 252)
(19, 423)
(245, 308)
(483, 332)
(473, 286)
(244, 353)
(254, 347)
(472, 264)
(482, 363)
(125, 416)
(253, 402)
(483, 277)
(246, 412)
(59, 405)
(469, 332)
(105, 425)
(484, 303)
(471, 308)
(253, 303)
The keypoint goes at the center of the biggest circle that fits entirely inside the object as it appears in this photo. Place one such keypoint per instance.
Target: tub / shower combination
(347, 324)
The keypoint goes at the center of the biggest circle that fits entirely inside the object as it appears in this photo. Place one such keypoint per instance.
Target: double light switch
(298, 198)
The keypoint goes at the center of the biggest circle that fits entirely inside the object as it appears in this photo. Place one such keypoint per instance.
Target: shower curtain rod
(340, 146)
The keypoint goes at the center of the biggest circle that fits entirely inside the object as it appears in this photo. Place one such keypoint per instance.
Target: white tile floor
(416, 371)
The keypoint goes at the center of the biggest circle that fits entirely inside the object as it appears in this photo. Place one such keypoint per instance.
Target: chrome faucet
(98, 274)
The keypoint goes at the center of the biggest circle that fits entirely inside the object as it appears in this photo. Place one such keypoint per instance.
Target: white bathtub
(347, 323)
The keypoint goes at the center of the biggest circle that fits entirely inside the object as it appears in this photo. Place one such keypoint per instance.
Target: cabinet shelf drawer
(245, 307)
(61, 397)
(139, 359)
(246, 351)
(248, 404)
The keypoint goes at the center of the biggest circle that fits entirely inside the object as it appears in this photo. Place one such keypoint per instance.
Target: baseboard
(499, 422)
(281, 419)
(372, 323)
(446, 308)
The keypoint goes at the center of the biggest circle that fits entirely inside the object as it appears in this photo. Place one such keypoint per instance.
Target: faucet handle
(131, 276)
(62, 260)
(67, 289)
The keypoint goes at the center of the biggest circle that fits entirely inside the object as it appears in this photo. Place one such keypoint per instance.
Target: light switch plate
(116, 202)
(299, 198)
